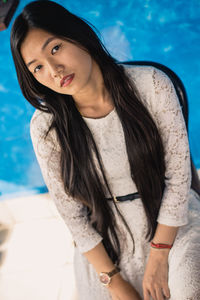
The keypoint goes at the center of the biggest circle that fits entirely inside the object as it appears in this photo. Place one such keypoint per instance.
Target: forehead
(33, 42)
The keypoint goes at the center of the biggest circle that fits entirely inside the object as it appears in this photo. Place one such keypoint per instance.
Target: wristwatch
(105, 277)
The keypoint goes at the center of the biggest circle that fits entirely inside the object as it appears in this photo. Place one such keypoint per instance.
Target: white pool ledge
(36, 256)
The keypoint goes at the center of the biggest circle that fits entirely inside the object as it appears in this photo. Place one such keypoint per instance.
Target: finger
(153, 294)
(159, 294)
(146, 294)
(166, 291)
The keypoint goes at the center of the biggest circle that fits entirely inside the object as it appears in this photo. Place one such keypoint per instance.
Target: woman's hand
(155, 281)
(120, 289)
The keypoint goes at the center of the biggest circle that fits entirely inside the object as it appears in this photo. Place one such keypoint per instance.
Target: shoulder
(39, 126)
(138, 71)
(40, 123)
(142, 79)
(150, 82)
(146, 76)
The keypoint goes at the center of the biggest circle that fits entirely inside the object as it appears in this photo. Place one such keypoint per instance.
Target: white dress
(180, 204)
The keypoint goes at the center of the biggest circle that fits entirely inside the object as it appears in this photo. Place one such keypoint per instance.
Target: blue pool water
(162, 31)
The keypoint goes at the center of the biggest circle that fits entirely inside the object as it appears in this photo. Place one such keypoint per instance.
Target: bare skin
(118, 288)
(123, 290)
(155, 281)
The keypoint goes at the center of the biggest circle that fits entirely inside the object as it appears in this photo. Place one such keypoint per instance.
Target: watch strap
(113, 272)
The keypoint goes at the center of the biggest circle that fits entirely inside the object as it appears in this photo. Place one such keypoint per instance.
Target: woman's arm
(166, 111)
(119, 288)
(156, 272)
(165, 234)
(99, 258)
(48, 156)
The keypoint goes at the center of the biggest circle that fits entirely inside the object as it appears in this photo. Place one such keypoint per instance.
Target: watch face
(104, 278)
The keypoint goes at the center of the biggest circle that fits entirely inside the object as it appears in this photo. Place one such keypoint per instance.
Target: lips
(66, 80)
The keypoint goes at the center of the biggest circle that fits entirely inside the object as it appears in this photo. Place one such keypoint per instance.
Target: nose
(55, 69)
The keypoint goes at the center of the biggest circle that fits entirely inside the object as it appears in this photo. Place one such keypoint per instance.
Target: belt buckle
(115, 199)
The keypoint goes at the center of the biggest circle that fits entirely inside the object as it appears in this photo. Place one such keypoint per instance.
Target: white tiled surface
(36, 262)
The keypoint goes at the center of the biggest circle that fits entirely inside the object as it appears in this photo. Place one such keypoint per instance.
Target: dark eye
(37, 68)
(55, 49)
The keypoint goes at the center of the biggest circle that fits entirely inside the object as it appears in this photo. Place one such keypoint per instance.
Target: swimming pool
(161, 31)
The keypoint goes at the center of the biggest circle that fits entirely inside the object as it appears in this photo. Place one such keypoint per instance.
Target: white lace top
(159, 96)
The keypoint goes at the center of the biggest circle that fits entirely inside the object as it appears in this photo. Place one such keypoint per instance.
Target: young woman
(113, 149)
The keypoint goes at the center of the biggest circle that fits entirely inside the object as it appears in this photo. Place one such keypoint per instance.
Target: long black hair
(79, 173)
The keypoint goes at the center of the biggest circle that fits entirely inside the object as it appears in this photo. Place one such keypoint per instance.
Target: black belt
(125, 198)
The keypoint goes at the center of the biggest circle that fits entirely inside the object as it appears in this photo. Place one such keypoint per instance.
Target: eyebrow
(43, 47)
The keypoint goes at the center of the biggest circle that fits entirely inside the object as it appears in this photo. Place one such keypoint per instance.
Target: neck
(94, 96)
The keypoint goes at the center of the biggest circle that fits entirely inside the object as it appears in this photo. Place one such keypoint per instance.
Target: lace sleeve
(48, 156)
(170, 122)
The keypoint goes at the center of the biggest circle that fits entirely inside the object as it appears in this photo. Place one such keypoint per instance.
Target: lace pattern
(48, 156)
(180, 204)
(159, 96)
(165, 109)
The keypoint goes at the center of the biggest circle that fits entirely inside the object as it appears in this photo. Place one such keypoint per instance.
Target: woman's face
(51, 59)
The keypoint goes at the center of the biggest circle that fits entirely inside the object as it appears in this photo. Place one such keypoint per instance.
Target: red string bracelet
(161, 246)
